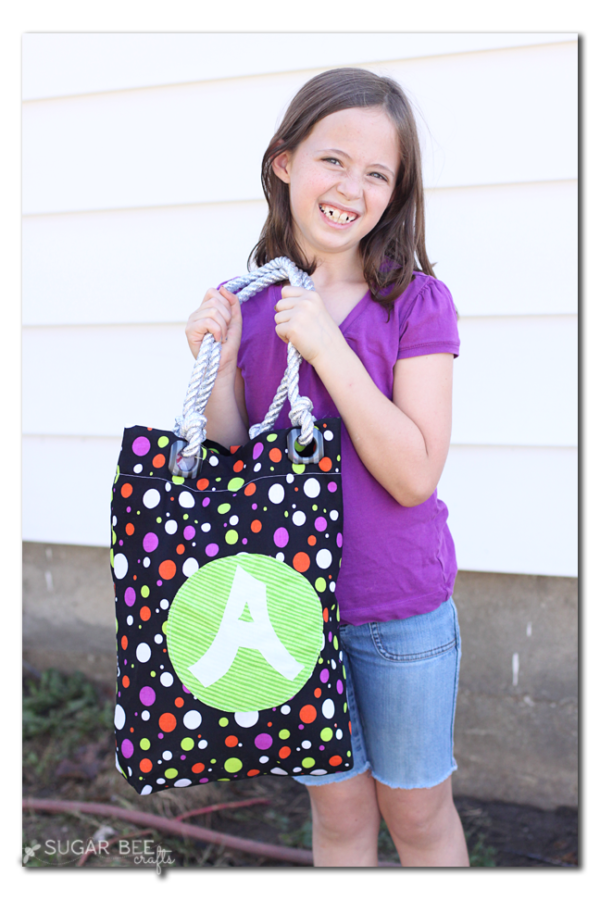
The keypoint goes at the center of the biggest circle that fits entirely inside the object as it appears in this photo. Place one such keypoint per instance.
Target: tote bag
(224, 563)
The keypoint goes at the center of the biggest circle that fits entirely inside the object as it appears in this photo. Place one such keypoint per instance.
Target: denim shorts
(401, 682)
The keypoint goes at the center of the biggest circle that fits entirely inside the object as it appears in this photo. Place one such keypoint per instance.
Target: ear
(281, 165)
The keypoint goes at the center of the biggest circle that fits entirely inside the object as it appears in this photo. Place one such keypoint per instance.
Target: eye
(379, 175)
(332, 159)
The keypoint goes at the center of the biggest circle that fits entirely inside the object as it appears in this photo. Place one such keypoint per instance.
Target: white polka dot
(158, 639)
(166, 679)
(318, 772)
(182, 782)
(190, 566)
(299, 518)
(286, 710)
(328, 708)
(147, 789)
(334, 515)
(151, 498)
(278, 771)
(332, 586)
(328, 435)
(276, 493)
(339, 734)
(168, 487)
(186, 500)
(119, 717)
(263, 759)
(202, 745)
(137, 469)
(213, 460)
(289, 478)
(306, 745)
(130, 771)
(333, 664)
(160, 780)
(130, 620)
(312, 488)
(171, 526)
(145, 715)
(246, 719)
(280, 557)
(192, 719)
(143, 652)
(297, 769)
(114, 520)
(146, 562)
(167, 755)
(120, 565)
(164, 604)
(234, 520)
(323, 559)
(257, 467)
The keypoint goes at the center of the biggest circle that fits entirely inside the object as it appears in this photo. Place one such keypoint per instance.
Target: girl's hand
(303, 320)
(219, 314)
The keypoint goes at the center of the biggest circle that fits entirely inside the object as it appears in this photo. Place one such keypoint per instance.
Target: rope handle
(191, 425)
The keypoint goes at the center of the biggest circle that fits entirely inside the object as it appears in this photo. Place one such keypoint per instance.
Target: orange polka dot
(275, 455)
(308, 714)
(129, 528)
(231, 740)
(238, 466)
(235, 448)
(145, 613)
(158, 461)
(179, 701)
(167, 569)
(312, 540)
(252, 772)
(349, 726)
(295, 488)
(180, 549)
(301, 562)
(284, 752)
(318, 692)
(125, 682)
(124, 642)
(326, 615)
(135, 577)
(167, 722)
(127, 490)
(325, 464)
(131, 730)
(198, 767)
(256, 526)
(145, 765)
(249, 489)
(335, 761)
(202, 484)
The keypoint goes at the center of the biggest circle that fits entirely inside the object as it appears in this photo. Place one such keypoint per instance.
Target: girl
(378, 336)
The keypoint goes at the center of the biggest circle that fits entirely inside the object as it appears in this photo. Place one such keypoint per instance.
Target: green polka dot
(348, 753)
(286, 513)
(164, 627)
(187, 744)
(171, 773)
(231, 536)
(178, 479)
(159, 519)
(335, 642)
(213, 761)
(308, 762)
(320, 585)
(235, 484)
(339, 458)
(153, 674)
(298, 468)
(112, 558)
(220, 479)
(117, 625)
(163, 441)
(223, 508)
(114, 537)
(284, 734)
(223, 721)
(345, 707)
(320, 659)
(272, 468)
(271, 438)
(326, 734)
(315, 507)
(185, 516)
(145, 744)
(145, 591)
(337, 614)
(223, 779)
(233, 764)
(117, 475)
(344, 672)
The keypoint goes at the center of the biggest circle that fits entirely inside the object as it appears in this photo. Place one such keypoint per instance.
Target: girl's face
(341, 179)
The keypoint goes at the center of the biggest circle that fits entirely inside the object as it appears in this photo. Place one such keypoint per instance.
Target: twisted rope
(191, 425)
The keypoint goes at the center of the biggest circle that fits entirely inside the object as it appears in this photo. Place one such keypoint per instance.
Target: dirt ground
(68, 755)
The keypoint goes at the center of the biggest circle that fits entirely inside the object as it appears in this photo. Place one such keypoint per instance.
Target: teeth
(336, 215)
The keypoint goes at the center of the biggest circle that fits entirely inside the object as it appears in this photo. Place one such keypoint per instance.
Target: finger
(219, 305)
(214, 322)
(282, 317)
(290, 291)
(282, 304)
(280, 332)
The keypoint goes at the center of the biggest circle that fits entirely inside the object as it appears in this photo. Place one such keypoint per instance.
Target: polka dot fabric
(228, 658)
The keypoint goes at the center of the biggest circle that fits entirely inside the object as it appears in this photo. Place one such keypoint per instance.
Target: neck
(338, 268)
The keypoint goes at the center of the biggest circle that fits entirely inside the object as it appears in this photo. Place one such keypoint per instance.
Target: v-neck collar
(355, 312)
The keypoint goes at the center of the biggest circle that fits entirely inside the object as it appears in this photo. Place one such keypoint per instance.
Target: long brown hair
(395, 247)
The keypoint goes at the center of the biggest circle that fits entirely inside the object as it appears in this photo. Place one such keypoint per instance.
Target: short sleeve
(431, 324)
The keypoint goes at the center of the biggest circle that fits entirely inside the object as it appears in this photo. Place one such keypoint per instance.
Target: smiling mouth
(337, 215)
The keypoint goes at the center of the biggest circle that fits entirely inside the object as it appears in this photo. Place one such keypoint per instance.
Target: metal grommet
(183, 466)
(299, 454)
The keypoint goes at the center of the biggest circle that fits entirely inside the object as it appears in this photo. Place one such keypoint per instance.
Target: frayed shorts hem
(337, 777)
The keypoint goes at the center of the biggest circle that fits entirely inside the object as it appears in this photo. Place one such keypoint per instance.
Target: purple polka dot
(159, 583)
(329, 636)
(324, 676)
(160, 735)
(212, 549)
(301, 727)
(332, 486)
(321, 747)
(320, 523)
(339, 686)
(128, 509)
(124, 662)
(203, 781)
(281, 537)
(339, 540)
(257, 450)
(263, 741)
(185, 690)
(206, 501)
(244, 540)
(140, 446)
(127, 748)
(147, 696)
(255, 506)
(150, 542)
(120, 543)
(182, 756)
(189, 532)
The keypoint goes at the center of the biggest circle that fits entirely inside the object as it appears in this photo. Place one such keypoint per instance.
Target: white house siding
(141, 158)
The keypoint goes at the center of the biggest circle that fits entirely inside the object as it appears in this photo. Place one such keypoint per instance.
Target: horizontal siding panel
(66, 64)
(515, 382)
(511, 509)
(509, 250)
(175, 145)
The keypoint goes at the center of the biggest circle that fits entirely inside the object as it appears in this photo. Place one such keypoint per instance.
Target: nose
(350, 185)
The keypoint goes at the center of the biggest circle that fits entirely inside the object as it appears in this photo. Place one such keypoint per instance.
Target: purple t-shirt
(397, 561)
